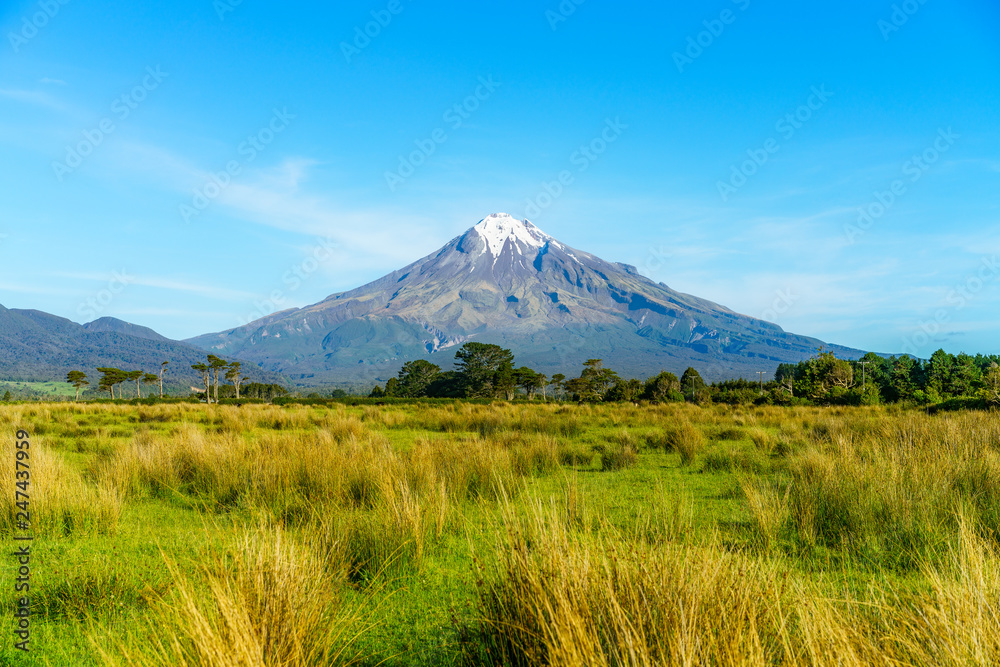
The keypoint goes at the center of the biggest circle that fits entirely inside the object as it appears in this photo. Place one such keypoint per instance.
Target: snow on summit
(499, 227)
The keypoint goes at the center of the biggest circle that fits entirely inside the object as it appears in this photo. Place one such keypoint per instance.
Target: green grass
(55, 390)
(742, 480)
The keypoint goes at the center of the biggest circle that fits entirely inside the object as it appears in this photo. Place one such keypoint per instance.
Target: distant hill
(114, 325)
(504, 281)
(39, 347)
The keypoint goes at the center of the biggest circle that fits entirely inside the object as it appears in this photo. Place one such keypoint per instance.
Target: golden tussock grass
(556, 596)
(275, 600)
(59, 500)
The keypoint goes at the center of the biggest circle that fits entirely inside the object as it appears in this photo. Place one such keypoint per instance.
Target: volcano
(505, 281)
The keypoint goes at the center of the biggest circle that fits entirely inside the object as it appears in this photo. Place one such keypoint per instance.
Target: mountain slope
(113, 325)
(37, 346)
(505, 281)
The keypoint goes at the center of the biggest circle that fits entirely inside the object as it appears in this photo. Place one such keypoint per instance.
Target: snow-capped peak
(499, 227)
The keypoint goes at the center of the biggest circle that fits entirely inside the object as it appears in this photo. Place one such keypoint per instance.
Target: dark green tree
(938, 374)
(206, 373)
(234, 374)
(557, 383)
(991, 385)
(594, 382)
(150, 379)
(446, 385)
(625, 391)
(266, 392)
(903, 378)
(529, 380)
(110, 377)
(661, 387)
(965, 376)
(79, 380)
(217, 365)
(692, 385)
(487, 370)
(415, 377)
(135, 376)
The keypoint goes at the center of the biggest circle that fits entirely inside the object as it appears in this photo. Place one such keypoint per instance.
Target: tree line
(115, 377)
(873, 379)
(484, 370)
(212, 370)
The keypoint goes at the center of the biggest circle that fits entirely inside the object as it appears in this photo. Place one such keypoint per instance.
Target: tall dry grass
(60, 500)
(561, 597)
(389, 503)
(275, 600)
(892, 489)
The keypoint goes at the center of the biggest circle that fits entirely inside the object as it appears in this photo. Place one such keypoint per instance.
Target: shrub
(686, 439)
(728, 458)
(617, 457)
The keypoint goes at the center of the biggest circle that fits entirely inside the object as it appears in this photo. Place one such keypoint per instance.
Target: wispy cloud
(165, 312)
(20, 288)
(210, 291)
(204, 290)
(33, 97)
(279, 197)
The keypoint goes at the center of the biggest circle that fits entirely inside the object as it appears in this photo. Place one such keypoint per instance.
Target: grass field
(53, 390)
(523, 534)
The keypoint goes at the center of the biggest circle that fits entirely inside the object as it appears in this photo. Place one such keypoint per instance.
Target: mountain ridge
(38, 346)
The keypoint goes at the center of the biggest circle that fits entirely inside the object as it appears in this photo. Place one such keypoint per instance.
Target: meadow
(523, 533)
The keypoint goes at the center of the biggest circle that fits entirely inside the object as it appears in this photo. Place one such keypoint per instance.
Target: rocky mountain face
(505, 281)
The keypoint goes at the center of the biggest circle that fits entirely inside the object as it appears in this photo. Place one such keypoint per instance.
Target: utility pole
(863, 364)
(761, 374)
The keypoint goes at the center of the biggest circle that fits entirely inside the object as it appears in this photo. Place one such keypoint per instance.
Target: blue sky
(833, 167)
